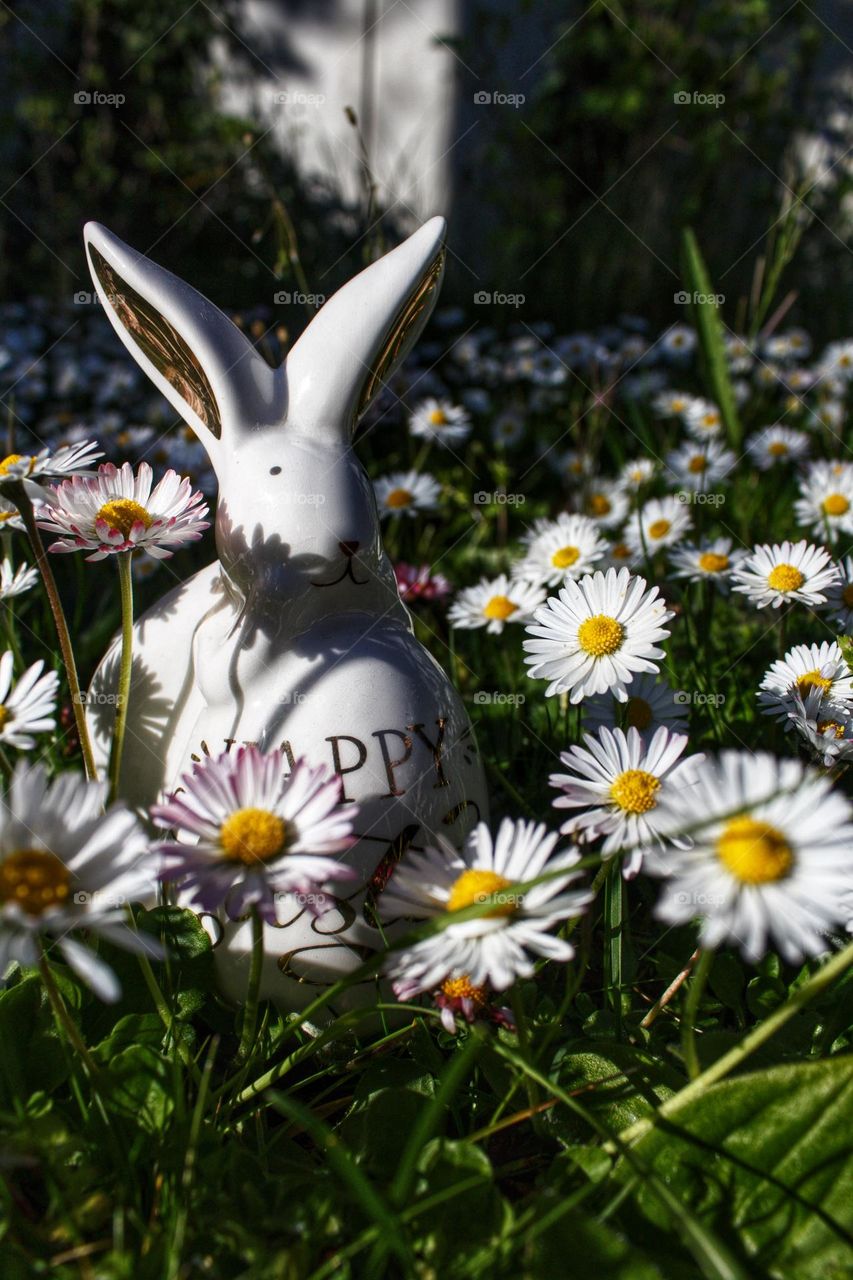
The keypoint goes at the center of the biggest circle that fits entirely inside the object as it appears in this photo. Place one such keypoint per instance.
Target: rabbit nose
(349, 548)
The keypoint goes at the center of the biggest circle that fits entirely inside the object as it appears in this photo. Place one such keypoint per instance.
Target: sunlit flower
(29, 707)
(596, 635)
(441, 421)
(405, 493)
(660, 523)
(116, 511)
(651, 703)
(494, 947)
(67, 864)
(494, 602)
(825, 726)
(637, 473)
(776, 575)
(772, 445)
(711, 561)
(252, 836)
(38, 469)
(803, 668)
(606, 503)
(672, 404)
(839, 597)
(703, 420)
(770, 856)
(700, 465)
(567, 547)
(825, 504)
(614, 785)
(14, 582)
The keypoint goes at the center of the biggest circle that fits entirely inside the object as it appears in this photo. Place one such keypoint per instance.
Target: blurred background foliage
(578, 199)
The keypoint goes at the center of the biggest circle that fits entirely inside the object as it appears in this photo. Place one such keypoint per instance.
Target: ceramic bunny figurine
(296, 636)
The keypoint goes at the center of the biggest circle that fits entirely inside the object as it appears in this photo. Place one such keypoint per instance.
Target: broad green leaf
(766, 1160)
(576, 1247)
(710, 328)
(32, 1055)
(461, 1239)
(620, 1084)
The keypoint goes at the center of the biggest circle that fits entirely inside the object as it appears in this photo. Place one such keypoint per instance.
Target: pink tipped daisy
(116, 511)
(250, 835)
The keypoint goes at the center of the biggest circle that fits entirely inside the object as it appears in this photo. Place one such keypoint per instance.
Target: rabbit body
(295, 638)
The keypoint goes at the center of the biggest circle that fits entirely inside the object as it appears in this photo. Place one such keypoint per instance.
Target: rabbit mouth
(349, 549)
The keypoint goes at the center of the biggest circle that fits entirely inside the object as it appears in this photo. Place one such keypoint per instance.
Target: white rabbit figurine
(296, 635)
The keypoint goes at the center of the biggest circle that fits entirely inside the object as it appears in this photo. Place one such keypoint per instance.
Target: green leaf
(575, 1247)
(766, 1160)
(140, 1087)
(470, 1222)
(620, 1083)
(32, 1056)
(711, 334)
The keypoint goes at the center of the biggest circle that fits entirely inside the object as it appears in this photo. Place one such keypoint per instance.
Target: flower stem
(64, 1019)
(250, 1013)
(22, 501)
(614, 927)
(695, 990)
(126, 584)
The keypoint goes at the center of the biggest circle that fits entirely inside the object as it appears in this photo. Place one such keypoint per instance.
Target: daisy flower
(507, 428)
(440, 420)
(605, 503)
(699, 465)
(458, 997)
(672, 404)
(677, 343)
(825, 504)
(252, 835)
(770, 860)
(66, 864)
(37, 469)
(804, 668)
(775, 575)
(10, 517)
(795, 344)
(571, 464)
(615, 783)
(597, 634)
(703, 419)
(28, 708)
(492, 948)
(839, 597)
(14, 582)
(637, 473)
(406, 493)
(567, 547)
(651, 703)
(776, 444)
(494, 602)
(117, 511)
(618, 556)
(837, 361)
(826, 727)
(660, 523)
(420, 583)
(711, 561)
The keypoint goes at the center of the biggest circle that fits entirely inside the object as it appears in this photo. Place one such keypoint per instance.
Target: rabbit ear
(361, 335)
(199, 359)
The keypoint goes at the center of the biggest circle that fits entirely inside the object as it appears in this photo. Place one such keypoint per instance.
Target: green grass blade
(711, 332)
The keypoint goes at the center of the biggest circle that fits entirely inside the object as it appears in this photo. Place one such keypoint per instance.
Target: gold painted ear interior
(401, 330)
(160, 343)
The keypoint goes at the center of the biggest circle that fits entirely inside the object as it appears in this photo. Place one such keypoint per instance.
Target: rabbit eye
(275, 471)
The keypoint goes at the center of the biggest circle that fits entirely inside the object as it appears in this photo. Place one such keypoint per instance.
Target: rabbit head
(296, 513)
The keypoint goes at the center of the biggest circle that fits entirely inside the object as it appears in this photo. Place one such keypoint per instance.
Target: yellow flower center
(638, 714)
(565, 557)
(500, 607)
(599, 505)
(10, 460)
(254, 835)
(835, 504)
(600, 635)
(710, 562)
(659, 528)
(463, 989)
(831, 728)
(785, 577)
(5, 716)
(813, 680)
(399, 498)
(635, 791)
(777, 449)
(621, 551)
(697, 463)
(476, 886)
(438, 418)
(123, 514)
(710, 419)
(35, 879)
(678, 405)
(847, 595)
(754, 852)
